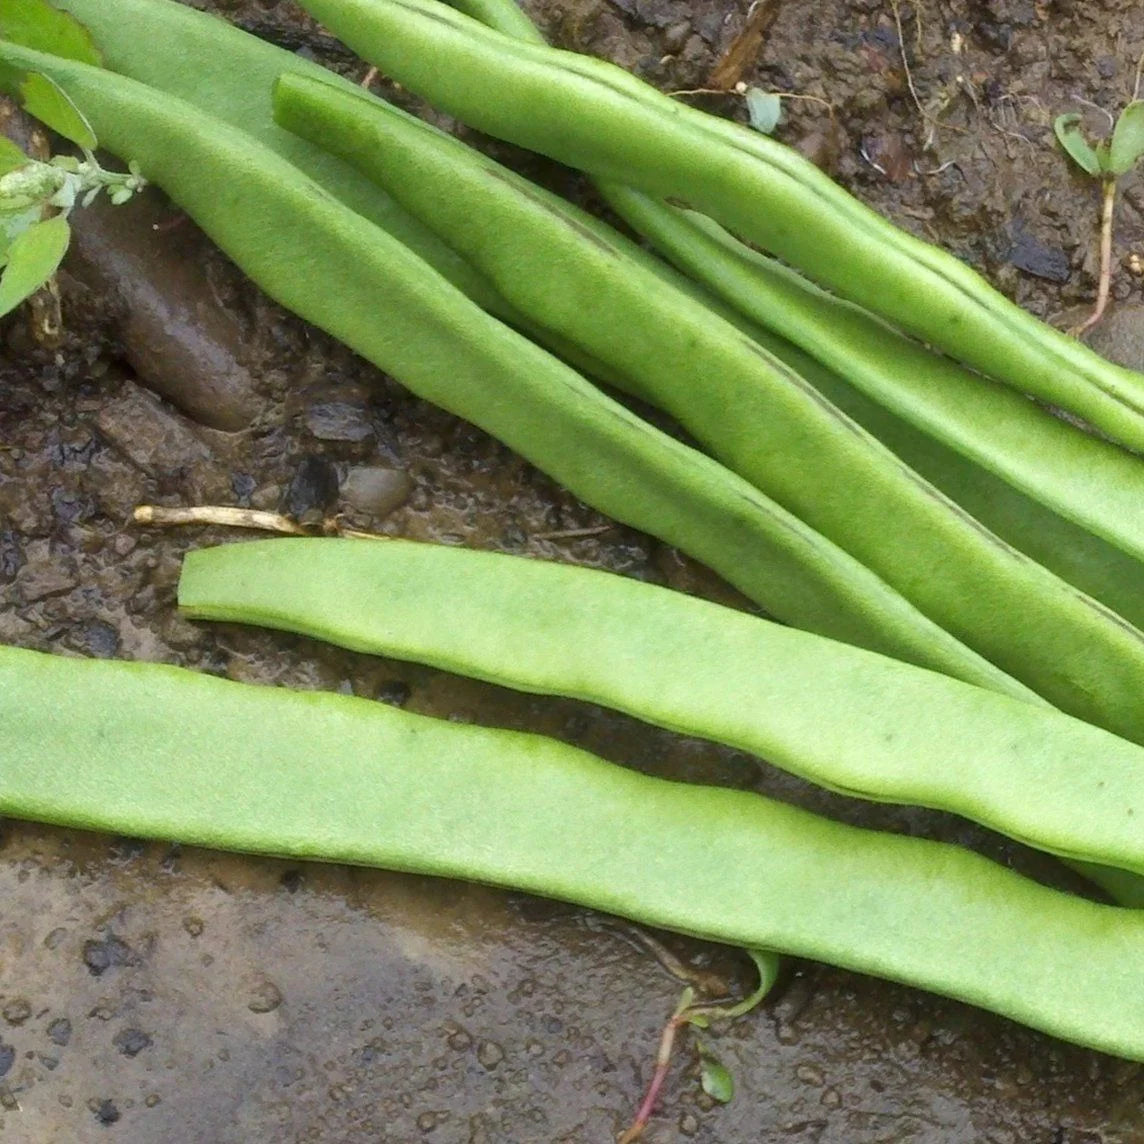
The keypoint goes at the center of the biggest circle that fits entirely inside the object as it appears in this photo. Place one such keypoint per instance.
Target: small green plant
(1107, 160)
(37, 197)
(714, 1077)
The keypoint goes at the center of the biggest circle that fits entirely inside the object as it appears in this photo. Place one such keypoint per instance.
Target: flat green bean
(592, 115)
(745, 406)
(846, 719)
(158, 752)
(334, 268)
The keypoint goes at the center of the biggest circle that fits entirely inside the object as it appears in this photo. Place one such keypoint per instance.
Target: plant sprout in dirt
(1107, 161)
(714, 1076)
(37, 197)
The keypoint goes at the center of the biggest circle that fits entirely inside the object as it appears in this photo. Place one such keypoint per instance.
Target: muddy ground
(153, 993)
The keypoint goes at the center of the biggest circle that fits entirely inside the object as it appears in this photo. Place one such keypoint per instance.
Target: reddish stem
(662, 1063)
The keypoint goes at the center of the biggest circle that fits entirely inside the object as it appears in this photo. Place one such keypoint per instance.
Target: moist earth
(150, 992)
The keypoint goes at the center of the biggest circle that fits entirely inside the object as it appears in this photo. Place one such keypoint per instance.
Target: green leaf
(1127, 139)
(36, 24)
(764, 109)
(32, 260)
(716, 1079)
(1067, 128)
(11, 157)
(52, 106)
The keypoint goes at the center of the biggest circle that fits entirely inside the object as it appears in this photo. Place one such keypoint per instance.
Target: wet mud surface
(152, 993)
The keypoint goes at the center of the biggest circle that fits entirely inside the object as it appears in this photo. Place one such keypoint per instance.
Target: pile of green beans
(443, 347)
(845, 719)
(784, 438)
(854, 545)
(1069, 500)
(593, 115)
(158, 752)
(228, 73)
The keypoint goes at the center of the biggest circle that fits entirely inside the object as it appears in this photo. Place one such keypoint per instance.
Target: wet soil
(152, 993)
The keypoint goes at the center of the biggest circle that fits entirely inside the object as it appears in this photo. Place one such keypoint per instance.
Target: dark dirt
(150, 993)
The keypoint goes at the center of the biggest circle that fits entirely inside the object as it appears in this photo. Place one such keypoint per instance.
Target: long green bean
(593, 115)
(844, 718)
(1083, 478)
(334, 268)
(159, 752)
(745, 406)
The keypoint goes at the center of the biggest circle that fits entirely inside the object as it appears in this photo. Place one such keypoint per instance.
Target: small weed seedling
(713, 1074)
(1106, 161)
(36, 198)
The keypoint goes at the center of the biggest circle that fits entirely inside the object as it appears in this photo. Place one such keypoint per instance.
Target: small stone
(17, 1012)
(194, 926)
(339, 421)
(105, 1111)
(131, 1042)
(810, 1074)
(265, 997)
(689, 1124)
(312, 490)
(60, 1031)
(98, 639)
(675, 37)
(375, 490)
(99, 956)
(52, 941)
(490, 1054)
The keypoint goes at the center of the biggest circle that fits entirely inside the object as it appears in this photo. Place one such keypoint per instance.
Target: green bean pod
(334, 268)
(846, 719)
(158, 752)
(745, 406)
(592, 115)
(1083, 478)
(1088, 562)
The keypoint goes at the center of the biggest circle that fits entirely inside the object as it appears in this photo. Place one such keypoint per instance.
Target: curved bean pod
(744, 405)
(1097, 568)
(593, 115)
(159, 752)
(291, 238)
(1083, 478)
(844, 718)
